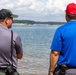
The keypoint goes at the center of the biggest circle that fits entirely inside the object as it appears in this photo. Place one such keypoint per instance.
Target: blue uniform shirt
(65, 41)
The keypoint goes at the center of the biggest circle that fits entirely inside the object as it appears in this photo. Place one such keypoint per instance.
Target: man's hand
(19, 56)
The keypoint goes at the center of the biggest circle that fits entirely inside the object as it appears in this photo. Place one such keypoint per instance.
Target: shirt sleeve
(18, 44)
(56, 42)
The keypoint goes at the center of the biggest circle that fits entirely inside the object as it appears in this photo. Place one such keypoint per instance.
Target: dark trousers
(3, 70)
(3, 73)
(68, 71)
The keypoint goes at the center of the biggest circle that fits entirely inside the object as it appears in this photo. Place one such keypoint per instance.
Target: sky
(37, 10)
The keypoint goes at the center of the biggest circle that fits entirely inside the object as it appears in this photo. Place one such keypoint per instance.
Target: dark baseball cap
(71, 8)
(7, 13)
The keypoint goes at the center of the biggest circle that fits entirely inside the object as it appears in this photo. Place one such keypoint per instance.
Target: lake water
(36, 40)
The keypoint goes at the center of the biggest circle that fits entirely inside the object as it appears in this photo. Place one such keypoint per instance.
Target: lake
(36, 41)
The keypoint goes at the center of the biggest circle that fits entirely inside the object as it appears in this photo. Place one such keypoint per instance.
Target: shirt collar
(73, 20)
(2, 26)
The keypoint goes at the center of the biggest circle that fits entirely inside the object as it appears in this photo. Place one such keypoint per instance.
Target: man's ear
(6, 21)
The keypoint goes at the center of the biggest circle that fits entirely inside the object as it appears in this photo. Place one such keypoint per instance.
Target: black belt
(67, 67)
(2, 68)
(71, 67)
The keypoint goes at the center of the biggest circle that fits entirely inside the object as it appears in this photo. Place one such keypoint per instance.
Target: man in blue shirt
(63, 48)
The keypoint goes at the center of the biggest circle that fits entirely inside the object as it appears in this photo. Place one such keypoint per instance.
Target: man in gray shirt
(6, 19)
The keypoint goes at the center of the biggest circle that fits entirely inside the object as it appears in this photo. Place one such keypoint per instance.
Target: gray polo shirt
(5, 47)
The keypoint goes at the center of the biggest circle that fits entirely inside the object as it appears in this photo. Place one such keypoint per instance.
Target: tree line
(37, 22)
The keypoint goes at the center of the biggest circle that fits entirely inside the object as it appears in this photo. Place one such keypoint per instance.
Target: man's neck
(2, 23)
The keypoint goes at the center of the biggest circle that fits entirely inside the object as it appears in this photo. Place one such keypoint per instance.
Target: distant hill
(37, 22)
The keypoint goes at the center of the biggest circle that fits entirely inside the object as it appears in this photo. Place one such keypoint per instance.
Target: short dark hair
(71, 16)
(1, 20)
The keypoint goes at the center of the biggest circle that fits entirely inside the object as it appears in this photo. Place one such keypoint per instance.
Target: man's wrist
(51, 71)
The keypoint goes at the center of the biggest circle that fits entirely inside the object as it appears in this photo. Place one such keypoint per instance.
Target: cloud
(30, 9)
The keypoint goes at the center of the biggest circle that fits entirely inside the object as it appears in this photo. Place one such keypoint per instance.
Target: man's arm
(53, 60)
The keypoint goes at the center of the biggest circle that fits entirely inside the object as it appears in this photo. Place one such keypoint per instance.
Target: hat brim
(14, 16)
